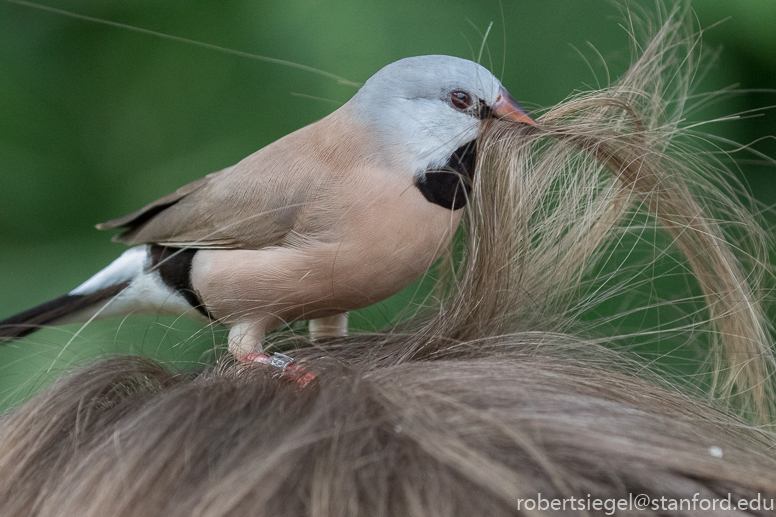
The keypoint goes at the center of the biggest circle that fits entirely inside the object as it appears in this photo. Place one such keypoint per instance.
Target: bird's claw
(285, 363)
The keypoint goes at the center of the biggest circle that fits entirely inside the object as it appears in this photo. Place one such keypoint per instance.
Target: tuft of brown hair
(551, 204)
(451, 436)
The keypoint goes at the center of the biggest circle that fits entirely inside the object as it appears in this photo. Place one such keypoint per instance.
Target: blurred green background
(96, 120)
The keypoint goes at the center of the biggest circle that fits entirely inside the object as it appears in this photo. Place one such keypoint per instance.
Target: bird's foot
(245, 339)
(330, 326)
(285, 363)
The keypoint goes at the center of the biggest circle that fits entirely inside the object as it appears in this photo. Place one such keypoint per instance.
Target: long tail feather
(34, 319)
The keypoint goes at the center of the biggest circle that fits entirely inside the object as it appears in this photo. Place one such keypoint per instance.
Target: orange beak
(507, 108)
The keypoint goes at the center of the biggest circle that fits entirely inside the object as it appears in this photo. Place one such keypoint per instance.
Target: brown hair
(502, 390)
(467, 433)
(551, 206)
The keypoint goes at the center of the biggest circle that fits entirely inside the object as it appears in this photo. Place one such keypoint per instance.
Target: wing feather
(132, 222)
(260, 201)
(247, 206)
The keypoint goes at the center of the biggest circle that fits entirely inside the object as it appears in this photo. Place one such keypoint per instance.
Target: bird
(333, 217)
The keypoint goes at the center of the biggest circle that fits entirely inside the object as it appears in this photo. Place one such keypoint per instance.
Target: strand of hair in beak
(285, 363)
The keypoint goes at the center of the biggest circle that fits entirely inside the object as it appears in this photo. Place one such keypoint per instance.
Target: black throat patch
(450, 186)
(174, 268)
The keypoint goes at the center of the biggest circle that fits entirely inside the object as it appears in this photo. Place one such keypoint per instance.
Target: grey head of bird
(424, 108)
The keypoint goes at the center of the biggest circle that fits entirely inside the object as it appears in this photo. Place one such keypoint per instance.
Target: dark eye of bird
(461, 99)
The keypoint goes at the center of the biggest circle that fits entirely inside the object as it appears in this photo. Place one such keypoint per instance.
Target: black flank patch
(450, 186)
(174, 267)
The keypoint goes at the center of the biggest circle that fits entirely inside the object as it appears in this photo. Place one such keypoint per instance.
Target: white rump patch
(125, 268)
(146, 293)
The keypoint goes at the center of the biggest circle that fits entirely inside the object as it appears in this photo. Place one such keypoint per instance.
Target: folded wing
(241, 207)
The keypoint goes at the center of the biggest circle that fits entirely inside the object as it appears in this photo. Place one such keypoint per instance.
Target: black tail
(29, 321)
